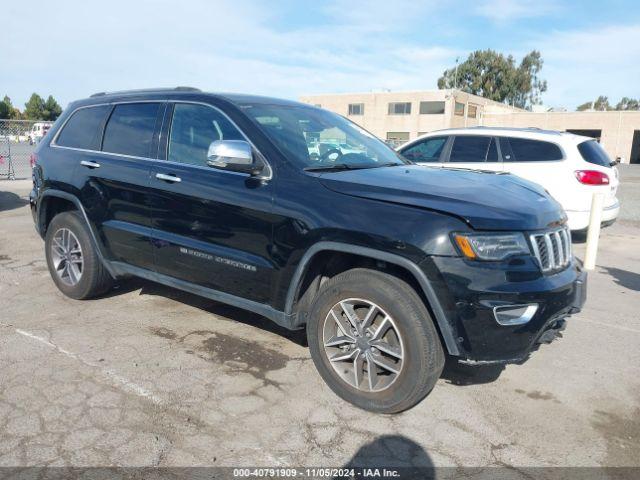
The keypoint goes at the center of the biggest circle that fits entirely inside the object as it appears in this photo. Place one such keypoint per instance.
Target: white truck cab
(38, 130)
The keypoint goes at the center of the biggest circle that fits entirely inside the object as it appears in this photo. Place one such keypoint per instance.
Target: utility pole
(455, 77)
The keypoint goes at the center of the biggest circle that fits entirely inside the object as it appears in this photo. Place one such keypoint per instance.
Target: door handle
(90, 164)
(168, 178)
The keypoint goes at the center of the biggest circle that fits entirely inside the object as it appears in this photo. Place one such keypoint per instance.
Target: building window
(397, 138)
(356, 109)
(459, 110)
(472, 111)
(400, 108)
(431, 108)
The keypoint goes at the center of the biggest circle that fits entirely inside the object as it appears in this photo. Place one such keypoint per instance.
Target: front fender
(446, 330)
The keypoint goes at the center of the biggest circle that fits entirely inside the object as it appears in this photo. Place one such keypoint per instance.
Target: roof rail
(506, 129)
(182, 88)
(146, 90)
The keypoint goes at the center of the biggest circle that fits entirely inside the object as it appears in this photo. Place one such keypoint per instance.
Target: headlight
(496, 246)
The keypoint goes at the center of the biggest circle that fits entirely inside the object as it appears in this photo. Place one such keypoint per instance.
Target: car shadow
(235, 314)
(624, 278)
(461, 375)
(393, 452)
(10, 201)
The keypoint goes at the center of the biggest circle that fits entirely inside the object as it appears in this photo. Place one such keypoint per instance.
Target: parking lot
(19, 153)
(150, 376)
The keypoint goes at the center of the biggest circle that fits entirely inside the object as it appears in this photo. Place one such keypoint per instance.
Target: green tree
(492, 75)
(52, 109)
(34, 109)
(584, 106)
(602, 103)
(627, 103)
(8, 107)
(5, 110)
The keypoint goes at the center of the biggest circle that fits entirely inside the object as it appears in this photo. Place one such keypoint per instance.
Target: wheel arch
(46, 212)
(294, 292)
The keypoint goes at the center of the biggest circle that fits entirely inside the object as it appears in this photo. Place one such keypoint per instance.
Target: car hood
(485, 200)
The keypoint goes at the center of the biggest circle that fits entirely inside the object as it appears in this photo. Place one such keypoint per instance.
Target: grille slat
(552, 249)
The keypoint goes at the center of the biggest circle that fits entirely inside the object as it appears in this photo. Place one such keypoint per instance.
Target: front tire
(373, 341)
(73, 262)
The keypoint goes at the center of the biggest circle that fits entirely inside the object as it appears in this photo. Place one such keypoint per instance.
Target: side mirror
(234, 155)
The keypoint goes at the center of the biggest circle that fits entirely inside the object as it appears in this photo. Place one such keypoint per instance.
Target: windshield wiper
(344, 166)
(388, 164)
(335, 166)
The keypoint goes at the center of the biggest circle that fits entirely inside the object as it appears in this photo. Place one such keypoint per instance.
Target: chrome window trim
(55, 138)
(265, 177)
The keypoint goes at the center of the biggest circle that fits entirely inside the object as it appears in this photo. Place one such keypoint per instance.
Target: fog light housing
(510, 315)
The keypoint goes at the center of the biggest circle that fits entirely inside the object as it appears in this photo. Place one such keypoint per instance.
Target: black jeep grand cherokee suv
(388, 264)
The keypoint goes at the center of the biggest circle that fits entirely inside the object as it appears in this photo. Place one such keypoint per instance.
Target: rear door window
(473, 149)
(428, 150)
(593, 152)
(130, 129)
(83, 129)
(526, 150)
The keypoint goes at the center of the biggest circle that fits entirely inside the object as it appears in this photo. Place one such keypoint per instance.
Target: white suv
(570, 167)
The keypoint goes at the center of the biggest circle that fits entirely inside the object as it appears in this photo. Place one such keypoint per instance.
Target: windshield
(319, 139)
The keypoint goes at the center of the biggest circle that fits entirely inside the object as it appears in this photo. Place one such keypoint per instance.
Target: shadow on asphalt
(454, 373)
(464, 375)
(624, 278)
(389, 451)
(10, 201)
(227, 311)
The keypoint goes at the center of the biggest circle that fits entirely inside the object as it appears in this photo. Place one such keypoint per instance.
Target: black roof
(237, 98)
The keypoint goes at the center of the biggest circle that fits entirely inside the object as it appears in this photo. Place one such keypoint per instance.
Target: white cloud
(227, 45)
(580, 65)
(503, 11)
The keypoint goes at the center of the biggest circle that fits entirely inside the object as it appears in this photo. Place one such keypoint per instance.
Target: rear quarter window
(526, 150)
(82, 130)
(593, 152)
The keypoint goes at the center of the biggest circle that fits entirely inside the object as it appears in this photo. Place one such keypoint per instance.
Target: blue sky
(288, 48)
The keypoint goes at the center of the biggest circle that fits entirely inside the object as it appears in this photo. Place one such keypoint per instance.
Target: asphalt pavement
(150, 376)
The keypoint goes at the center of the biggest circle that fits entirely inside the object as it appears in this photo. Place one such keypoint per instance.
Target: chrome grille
(552, 249)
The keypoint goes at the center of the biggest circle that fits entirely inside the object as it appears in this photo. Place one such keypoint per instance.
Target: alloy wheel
(66, 254)
(363, 344)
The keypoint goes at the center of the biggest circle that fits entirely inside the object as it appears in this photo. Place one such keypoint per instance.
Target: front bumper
(473, 290)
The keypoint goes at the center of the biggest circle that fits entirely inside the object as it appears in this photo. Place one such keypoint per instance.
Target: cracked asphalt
(150, 376)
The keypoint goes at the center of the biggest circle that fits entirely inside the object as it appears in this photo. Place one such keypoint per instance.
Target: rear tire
(73, 262)
(409, 345)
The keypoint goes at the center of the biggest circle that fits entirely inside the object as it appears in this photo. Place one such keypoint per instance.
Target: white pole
(593, 234)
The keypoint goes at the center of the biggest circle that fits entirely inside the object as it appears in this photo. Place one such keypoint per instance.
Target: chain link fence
(18, 140)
